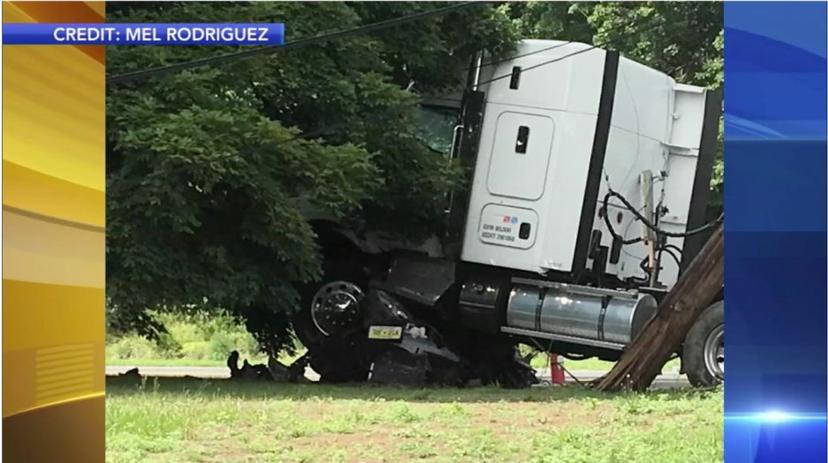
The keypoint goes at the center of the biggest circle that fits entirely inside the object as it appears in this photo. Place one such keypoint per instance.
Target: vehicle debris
(273, 371)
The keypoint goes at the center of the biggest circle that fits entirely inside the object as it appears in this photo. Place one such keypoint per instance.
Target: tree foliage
(682, 39)
(209, 170)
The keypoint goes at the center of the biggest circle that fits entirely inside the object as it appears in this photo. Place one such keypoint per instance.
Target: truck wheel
(340, 286)
(703, 352)
(338, 294)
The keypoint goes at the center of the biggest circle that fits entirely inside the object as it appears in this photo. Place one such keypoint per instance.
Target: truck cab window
(435, 126)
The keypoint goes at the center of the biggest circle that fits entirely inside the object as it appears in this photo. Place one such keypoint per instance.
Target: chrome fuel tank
(578, 312)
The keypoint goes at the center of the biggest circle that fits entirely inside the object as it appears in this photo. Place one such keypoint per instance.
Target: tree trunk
(694, 291)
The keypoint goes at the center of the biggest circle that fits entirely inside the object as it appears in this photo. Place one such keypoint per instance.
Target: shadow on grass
(124, 387)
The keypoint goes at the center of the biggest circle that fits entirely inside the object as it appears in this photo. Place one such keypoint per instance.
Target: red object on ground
(555, 369)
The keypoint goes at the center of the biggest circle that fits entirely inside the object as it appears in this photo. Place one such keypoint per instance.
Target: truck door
(520, 156)
(515, 179)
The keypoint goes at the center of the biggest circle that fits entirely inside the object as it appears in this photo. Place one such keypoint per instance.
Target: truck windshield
(435, 125)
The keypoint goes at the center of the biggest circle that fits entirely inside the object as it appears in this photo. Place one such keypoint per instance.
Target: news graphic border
(53, 242)
(775, 232)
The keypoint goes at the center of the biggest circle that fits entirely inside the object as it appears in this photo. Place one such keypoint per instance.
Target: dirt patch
(431, 436)
(504, 421)
(374, 445)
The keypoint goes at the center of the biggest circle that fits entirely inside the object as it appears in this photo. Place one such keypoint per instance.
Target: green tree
(208, 170)
(678, 38)
(682, 39)
(554, 20)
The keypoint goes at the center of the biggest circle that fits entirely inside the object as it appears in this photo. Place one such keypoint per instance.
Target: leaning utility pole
(693, 292)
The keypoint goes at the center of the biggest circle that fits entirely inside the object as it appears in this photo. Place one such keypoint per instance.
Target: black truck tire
(339, 270)
(334, 359)
(701, 347)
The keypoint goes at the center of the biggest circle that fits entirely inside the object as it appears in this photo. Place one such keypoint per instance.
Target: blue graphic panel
(775, 232)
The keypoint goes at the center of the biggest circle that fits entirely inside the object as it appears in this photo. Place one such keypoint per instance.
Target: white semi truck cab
(586, 195)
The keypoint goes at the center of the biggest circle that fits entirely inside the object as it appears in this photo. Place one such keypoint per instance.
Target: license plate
(384, 332)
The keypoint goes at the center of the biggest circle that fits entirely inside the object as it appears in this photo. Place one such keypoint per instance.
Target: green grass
(180, 420)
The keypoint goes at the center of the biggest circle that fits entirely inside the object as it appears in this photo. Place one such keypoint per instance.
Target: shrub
(132, 347)
(198, 335)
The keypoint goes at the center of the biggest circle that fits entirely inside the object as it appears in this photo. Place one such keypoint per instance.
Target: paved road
(670, 380)
(173, 372)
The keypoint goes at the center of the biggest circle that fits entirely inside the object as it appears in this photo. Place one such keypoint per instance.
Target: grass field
(180, 420)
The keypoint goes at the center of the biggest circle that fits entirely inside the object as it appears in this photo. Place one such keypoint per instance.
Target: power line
(555, 60)
(561, 58)
(379, 25)
(511, 58)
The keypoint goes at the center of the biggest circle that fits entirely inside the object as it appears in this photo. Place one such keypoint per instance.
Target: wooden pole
(643, 359)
